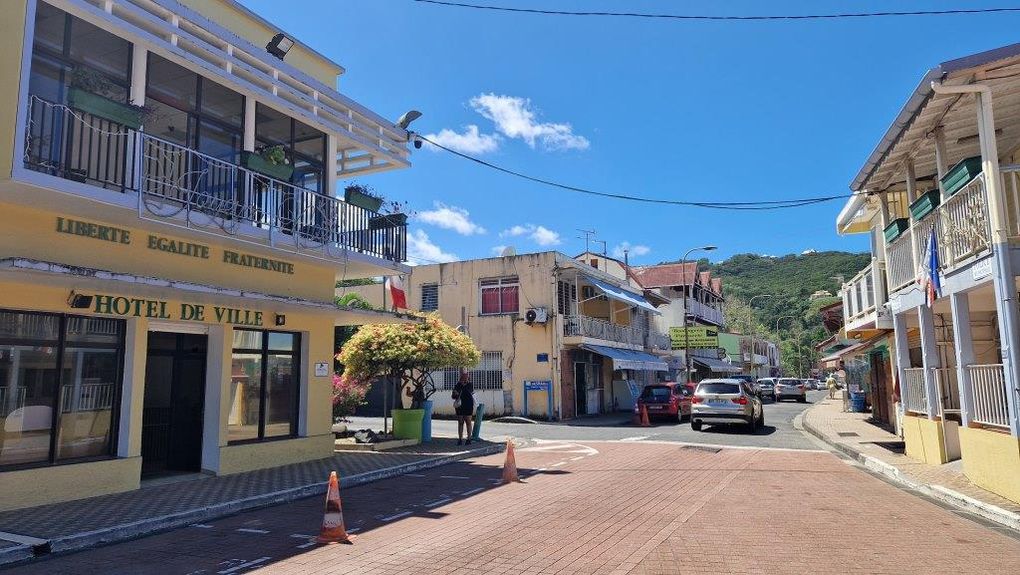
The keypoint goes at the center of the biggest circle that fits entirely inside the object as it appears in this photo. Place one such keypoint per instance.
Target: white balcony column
(331, 165)
(964, 344)
(902, 347)
(248, 139)
(911, 182)
(911, 196)
(139, 65)
(881, 277)
(929, 358)
(940, 158)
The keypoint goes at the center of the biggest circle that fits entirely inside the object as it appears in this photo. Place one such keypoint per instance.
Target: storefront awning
(629, 359)
(716, 365)
(621, 295)
(832, 360)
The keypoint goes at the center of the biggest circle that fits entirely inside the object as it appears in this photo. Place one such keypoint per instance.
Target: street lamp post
(750, 316)
(687, 335)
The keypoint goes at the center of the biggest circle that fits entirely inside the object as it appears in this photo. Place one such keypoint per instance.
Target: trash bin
(857, 401)
(479, 414)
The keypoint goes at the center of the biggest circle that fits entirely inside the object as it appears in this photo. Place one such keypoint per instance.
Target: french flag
(398, 295)
(932, 283)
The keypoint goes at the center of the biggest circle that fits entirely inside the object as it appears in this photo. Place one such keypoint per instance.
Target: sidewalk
(166, 504)
(882, 451)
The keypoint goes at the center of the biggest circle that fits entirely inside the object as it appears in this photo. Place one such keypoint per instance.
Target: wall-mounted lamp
(281, 319)
(279, 46)
(79, 301)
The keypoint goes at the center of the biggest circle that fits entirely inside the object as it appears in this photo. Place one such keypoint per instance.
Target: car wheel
(752, 424)
(802, 400)
(695, 425)
(761, 420)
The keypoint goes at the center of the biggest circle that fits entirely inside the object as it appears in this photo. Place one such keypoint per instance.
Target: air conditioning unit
(536, 315)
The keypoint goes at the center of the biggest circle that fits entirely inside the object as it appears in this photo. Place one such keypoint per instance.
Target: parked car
(665, 399)
(726, 401)
(767, 385)
(813, 384)
(748, 379)
(790, 388)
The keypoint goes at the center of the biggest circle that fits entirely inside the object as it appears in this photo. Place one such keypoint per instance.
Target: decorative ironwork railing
(582, 325)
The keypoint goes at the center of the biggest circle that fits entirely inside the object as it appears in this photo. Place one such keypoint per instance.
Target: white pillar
(249, 124)
(217, 380)
(930, 358)
(331, 177)
(940, 158)
(902, 348)
(964, 344)
(139, 65)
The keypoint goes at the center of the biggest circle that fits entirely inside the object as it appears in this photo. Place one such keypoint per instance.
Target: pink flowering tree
(348, 394)
(408, 353)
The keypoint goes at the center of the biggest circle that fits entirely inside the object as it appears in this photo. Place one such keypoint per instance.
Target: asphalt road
(779, 431)
(606, 507)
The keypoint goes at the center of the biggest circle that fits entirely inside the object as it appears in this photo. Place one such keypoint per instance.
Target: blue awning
(716, 365)
(619, 294)
(629, 359)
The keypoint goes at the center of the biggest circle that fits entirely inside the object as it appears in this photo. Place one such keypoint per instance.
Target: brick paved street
(590, 507)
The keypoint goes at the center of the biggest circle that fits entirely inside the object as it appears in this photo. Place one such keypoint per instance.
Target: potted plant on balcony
(408, 354)
(271, 161)
(90, 92)
(363, 197)
(395, 216)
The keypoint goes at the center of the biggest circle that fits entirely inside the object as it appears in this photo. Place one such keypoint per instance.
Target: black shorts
(466, 408)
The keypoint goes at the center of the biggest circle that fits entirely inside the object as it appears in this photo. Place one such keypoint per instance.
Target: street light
(750, 316)
(687, 334)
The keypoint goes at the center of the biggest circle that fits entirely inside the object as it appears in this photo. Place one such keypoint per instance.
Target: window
(566, 298)
(499, 295)
(59, 382)
(487, 375)
(264, 385)
(429, 297)
(304, 145)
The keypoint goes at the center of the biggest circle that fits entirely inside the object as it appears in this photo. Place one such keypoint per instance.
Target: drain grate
(704, 448)
(847, 434)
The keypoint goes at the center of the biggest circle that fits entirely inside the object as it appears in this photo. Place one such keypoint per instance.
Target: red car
(665, 399)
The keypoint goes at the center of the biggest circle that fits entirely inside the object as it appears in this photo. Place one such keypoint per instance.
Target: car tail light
(697, 399)
(740, 400)
(800, 387)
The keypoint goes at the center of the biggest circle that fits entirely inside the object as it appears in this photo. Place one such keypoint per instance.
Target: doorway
(174, 402)
(580, 389)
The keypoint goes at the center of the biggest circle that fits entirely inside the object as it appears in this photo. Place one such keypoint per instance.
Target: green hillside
(791, 279)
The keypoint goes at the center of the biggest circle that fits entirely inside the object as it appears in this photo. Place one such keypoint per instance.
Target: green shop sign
(158, 309)
(694, 337)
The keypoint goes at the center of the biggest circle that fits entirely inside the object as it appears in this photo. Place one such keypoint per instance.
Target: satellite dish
(508, 251)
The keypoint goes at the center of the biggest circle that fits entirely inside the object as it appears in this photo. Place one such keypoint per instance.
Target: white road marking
(741, 447)
(246, 530)
(251, 563)
(453, 477)
(635, 438)
(473, 491)
(397, 516)
(558, 464)
(438, 502)
(541, 469)
(559, 446)
(578, 458)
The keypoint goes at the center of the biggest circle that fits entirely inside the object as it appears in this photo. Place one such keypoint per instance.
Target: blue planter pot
(426, 422)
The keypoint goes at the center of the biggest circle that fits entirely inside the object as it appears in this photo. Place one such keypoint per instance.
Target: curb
(945, 495)
(149, 526)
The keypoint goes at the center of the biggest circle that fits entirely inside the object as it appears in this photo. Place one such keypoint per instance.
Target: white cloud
(541, 235)
(808, 252)
(634, 250)
(515, 118)
(471, 141)
(451, 218)
(421, 250)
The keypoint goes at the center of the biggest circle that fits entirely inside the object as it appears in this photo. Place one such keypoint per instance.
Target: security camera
(417, 143)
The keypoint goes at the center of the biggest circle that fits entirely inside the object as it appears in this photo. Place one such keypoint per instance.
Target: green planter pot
(925, 204)
(257, 163)
(387, 221)
(961, 174)
(124, 114)
(356, 197)
(896, 229)
(407, 423)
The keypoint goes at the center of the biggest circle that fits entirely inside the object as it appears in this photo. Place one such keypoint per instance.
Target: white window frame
(498, 284)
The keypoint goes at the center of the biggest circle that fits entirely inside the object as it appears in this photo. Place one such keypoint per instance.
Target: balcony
(582, 326)
(181, 186)
(704, 312)
(861, 308)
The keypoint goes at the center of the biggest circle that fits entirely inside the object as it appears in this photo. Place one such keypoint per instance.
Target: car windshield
(788, 382)
(656, 392)
(719, 388)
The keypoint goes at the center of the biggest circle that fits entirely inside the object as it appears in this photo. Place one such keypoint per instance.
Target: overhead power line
(756, 205)
(837, 16)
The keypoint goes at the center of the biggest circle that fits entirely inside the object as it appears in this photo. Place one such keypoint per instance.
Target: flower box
(117, 112)
(257, 163)
(356, 197)
(961, 174)
(387, 221)
(896, 229)
(925, 204)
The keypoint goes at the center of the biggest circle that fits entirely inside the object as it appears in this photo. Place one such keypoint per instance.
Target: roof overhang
(629, 359)
(619, 294)
(716, 365)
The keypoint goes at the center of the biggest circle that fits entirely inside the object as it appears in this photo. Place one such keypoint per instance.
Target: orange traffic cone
(510, 465)
(333, 520)
(644, 416)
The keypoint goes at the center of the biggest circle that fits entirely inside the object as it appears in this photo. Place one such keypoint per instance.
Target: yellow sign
(694, 337)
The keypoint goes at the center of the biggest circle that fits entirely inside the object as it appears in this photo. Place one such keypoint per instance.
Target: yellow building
(939, 198)
(166, 281)
(559, 336)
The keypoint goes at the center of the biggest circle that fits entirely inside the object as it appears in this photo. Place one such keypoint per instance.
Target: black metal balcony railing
(171, 180)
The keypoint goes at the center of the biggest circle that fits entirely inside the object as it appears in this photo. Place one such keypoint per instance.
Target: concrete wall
(991, 459)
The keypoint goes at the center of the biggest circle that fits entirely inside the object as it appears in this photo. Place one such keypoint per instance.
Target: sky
(717, 111)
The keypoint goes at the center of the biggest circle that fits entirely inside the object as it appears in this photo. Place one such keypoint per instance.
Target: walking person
(831, 384)
(464, 406)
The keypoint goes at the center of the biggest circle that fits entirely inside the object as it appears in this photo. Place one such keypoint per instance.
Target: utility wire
(836, 16)
(756, 205)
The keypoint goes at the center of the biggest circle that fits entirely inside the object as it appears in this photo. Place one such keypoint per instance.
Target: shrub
(348, 394)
